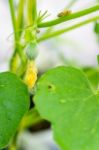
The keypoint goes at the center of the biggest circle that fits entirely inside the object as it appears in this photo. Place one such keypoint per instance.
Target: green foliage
(14, 103)
(64, 97)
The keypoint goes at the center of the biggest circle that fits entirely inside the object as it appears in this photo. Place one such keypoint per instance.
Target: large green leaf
(65, 98)
(14, 103)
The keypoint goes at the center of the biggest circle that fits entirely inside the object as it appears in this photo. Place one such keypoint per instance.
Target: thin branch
(62, 31)
(69, 17)
(12, 10)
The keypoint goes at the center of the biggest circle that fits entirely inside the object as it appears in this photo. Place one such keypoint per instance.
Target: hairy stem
(12, 10)
(31, 12)
(59, 32)
(20, 15)
(30, 119)
(69, 17)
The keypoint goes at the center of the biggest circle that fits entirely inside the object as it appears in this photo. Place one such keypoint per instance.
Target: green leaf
(14, 103)
(65, 98)
(93, 76)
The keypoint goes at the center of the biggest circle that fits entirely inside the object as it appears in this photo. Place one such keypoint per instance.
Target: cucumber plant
(64, 96)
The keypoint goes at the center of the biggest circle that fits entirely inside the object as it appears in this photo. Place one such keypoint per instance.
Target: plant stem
(16, 24)
(31, 19)
(20, 15)
(12, 147)
(32, 12)
(30, 119)
(59, 32)
(12, 10)
(69, 17)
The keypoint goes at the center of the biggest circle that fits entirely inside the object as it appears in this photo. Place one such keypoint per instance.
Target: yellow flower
(31, 74)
